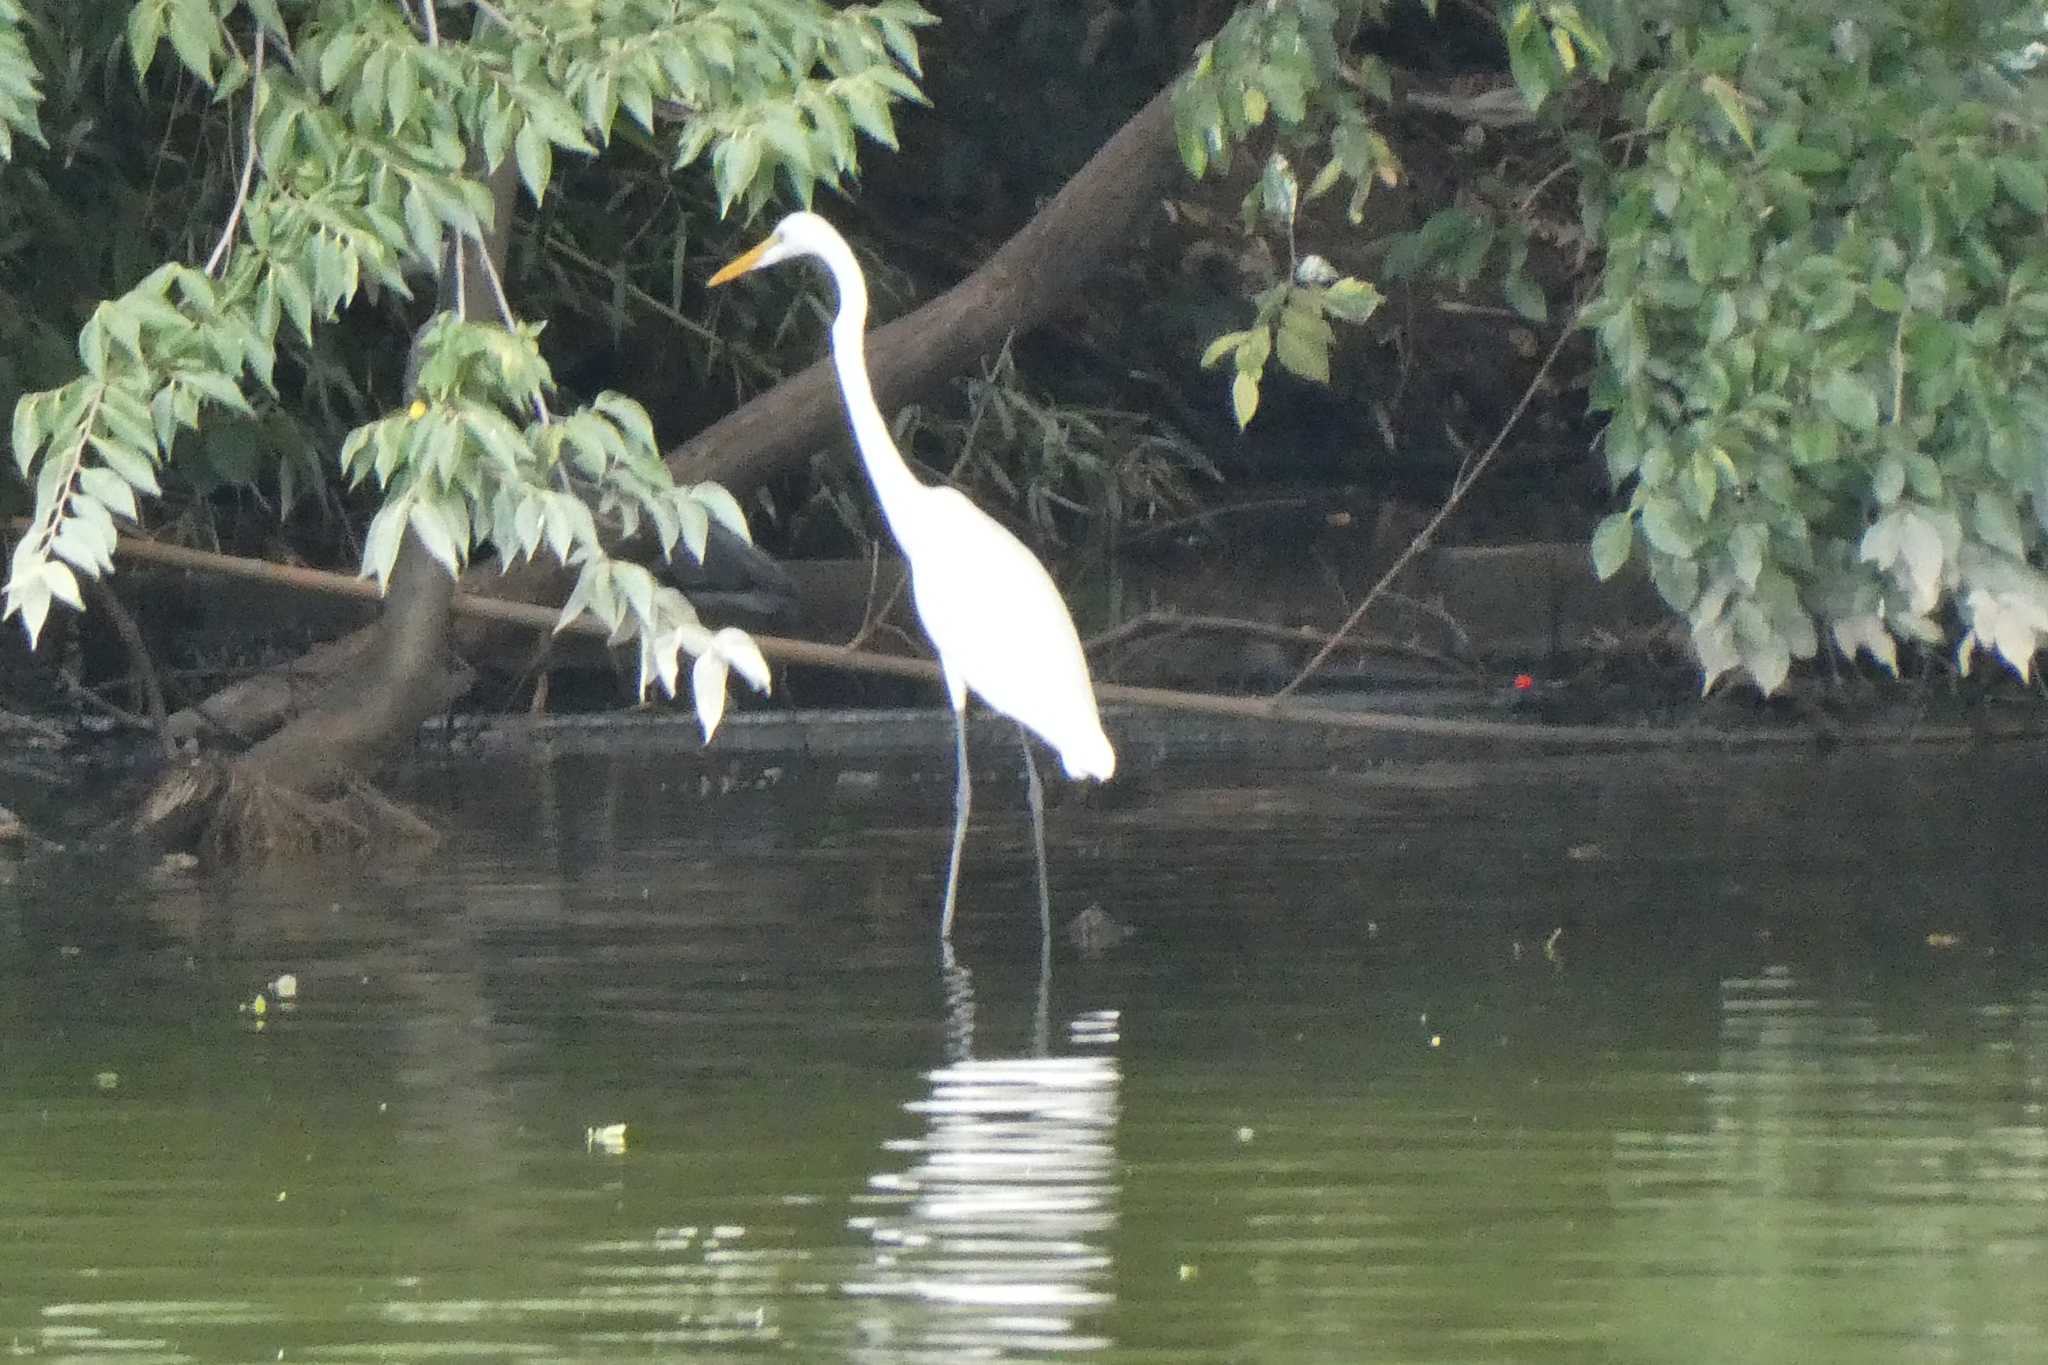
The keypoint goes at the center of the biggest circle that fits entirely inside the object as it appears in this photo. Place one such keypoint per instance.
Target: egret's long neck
(891, 476)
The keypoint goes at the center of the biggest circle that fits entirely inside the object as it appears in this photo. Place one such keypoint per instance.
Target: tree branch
(1088, 222)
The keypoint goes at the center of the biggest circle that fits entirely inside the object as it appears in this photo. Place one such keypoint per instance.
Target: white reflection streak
(996, 1231)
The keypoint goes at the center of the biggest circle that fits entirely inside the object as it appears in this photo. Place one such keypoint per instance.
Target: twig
(80, 692)
(1434, 610)
(1209, 514)
(138, 655)
(505, 314)
(1482, 310)
(227, 233)
(1262, 630)
(872, 620)
(662, 308)
(1467, 477)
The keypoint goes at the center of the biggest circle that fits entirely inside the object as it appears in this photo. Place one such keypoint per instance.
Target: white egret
(994, 616)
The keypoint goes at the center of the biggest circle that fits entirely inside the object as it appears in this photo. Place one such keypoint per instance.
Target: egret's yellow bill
(741, 264)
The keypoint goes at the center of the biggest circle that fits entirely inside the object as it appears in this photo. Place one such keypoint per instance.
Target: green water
(1616, 1060)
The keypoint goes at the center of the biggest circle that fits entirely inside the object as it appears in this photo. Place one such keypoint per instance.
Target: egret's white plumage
(992, 611)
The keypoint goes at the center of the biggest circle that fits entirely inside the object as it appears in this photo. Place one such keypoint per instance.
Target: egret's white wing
(998, 622)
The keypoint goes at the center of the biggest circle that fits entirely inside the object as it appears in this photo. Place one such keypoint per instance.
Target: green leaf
(92, 343)
(707, 691)
(1923, 476)
(1972, 183)
(1816, 442)
(1867, 633)
(135, 467)
(1525, 296)
(721, 504)
(536, 160)
(1255, 105)
(638, 101)
(1996, 521)
(381, 544)
(1669, 528)
(195, 36)
(1746, 546)
(337, 57)
(1244, 397)
(28, 595)
(1729, 101)
(266, 13)
(1221, 347)
(589, 588)
(145, 33)
(2024, 183)
(108, 489)
(557, 120)
(1279, 192)
(737, 648)
(30, 430)
(85, 538)
(1613, 539)
(636, 586)
(1254, 351)
(1326, 178)
(1677, 580)
(1531, 59)
(216, 386)
(296, 298)
(733, 167)
(1351, 300)
(1850, 400)
(869, 112)
(402, 89)
(693, 524)
(63, 584)
(1302, 343)
(438, 532)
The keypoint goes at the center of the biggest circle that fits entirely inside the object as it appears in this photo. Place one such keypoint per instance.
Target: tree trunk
(406, 675)
(304, 787)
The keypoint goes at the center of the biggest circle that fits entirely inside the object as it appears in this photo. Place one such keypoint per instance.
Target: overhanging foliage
(1821, 291)
(363, 125)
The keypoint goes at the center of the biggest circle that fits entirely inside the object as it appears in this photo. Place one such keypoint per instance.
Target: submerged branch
(1282, 710)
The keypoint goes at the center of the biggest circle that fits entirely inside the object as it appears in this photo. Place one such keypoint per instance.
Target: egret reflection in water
(994, 1238)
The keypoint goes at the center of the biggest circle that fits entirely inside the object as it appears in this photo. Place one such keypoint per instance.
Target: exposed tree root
(235, 817)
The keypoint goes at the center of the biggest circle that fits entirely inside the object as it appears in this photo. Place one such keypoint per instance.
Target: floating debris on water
(1095, 931)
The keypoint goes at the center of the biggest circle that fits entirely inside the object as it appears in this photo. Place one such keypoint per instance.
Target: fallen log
(1287, 711)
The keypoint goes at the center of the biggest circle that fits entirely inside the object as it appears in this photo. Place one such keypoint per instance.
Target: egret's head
(800, 234)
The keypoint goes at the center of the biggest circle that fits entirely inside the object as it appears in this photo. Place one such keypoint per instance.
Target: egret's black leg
(1035, 791)
(961, 798)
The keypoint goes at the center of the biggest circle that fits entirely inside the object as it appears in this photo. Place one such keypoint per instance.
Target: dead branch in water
(1281, 709)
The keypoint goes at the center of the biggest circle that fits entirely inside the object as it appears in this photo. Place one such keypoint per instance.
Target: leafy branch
(19, 96)
(358, 168)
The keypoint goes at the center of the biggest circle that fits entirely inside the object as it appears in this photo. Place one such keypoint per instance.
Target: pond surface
(1624, 1059)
